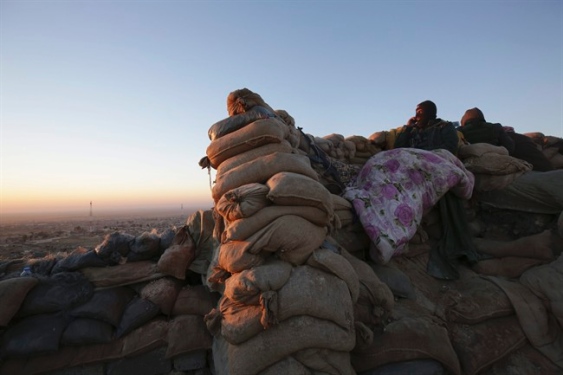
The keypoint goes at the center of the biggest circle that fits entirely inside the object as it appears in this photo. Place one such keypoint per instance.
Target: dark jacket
(476, 131)
(438, 134)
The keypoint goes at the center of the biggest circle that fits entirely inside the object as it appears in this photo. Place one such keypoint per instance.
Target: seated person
(476, 129)
(427, 132)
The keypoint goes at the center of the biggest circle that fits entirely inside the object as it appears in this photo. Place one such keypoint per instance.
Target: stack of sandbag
(289, 299)
(491, 165)
(109, 311)
(354, 149)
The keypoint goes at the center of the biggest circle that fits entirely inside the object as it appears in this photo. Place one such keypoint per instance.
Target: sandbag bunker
(282, 277)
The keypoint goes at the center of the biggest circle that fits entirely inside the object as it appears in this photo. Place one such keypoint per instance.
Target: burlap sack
(236, 122)
(34, 335)
(260, 170)
(291, 237)
(62, 291)
(310, 291)
(293, 189)
(162, 292)
(201, 225)
(146, 338)
(12, 294)
(240, 322)
(412, 333)
(480, 149)
(375, 297)
(187, 333)
(138, 312)
(145, 246)
(279, 341)
(253, 135)
(194, 300)
(85, 331)
(176, 259)
(329, 261)
(253, 154)
(312, 360)
(106, 305)
(480, 345)
(123, 274)
(234, 256)
(241, 229)
(496, 164)
(243, 201)
(245, 287)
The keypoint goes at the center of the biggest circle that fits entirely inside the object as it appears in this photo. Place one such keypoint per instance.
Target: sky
(110, 102)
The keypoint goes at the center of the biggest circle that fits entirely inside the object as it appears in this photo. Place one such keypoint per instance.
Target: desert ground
(37, 235)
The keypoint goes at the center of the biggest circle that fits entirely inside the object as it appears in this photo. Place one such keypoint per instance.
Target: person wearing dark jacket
(427, 132)
(476, 129)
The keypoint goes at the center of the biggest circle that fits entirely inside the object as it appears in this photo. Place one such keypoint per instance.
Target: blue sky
(110, 101)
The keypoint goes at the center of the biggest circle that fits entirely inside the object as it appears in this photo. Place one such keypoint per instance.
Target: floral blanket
(395, 188)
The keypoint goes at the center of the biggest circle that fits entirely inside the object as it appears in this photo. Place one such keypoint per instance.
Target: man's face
(421, 115)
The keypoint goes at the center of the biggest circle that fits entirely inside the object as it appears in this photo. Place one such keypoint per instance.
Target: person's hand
(412, 121)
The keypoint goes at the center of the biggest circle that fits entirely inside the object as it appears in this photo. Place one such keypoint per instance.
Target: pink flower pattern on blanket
(395, 188)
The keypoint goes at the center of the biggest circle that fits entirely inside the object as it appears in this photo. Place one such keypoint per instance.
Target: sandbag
(136, 313)
(177, 258)
(105, 305)
(496, 164)
(34, 335)
(114, 246)
(293, 189)
(77, 259)
(411, 334)
(330, 261)
(124, 274)
(310, 291)
(539, 192)
(253, 154)
(145, 246)
(243, 201)
(260, 170)
(187, 333)
(59, 292)
(236, 122)
(279, 341)
(291, 237)
(253, 135)
(234, 256)
(162, 292)
(480, 345)
(85, 331)
(200, 226)
(245, 287)
(194, 300)
(240, 322)
(242, 229)
(12, 294)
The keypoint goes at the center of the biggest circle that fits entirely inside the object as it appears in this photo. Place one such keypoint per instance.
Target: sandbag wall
(291, 297)
(478, 324)
(134, 304)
